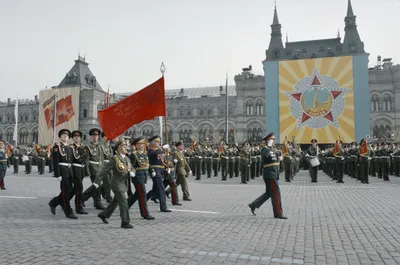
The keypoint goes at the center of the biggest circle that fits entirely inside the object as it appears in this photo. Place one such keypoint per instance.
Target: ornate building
(200, 112)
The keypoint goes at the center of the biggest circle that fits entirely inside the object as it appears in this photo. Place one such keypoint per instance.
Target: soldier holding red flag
(338, 153)
(364, 161)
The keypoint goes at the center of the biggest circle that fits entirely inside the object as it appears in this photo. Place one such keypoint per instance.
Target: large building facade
(200, 112)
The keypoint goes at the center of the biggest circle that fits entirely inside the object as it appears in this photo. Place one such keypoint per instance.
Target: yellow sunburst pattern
(300, 83)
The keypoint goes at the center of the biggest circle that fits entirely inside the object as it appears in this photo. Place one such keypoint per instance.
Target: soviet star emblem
(317, 101)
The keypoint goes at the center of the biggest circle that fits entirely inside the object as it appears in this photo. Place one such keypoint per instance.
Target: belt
(106, 161)
(225, 157)
(156, 166)
(141, 168)
(41, 158)
(64, 164)
(94, 162)
(78, 165)
(198, 156)
(271, 164)
(4, 160)
(171, 169)
(384, 157)
(207, 157)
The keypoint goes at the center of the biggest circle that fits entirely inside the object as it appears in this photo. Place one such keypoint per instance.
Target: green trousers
(121, 201)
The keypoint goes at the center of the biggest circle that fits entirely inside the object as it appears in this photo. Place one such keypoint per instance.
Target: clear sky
(199, 40)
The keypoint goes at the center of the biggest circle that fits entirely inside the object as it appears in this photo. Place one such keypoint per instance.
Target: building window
(374, 104)
(1, 119)
(181, 135)
(222, 112)
(85, 113)
(249, 109)
(26, 118)
(22, 118)
(387, 104)
(230, 112)
(209, 112)
(189, 112)
(84, 137)
(181, 113)
(201, 112)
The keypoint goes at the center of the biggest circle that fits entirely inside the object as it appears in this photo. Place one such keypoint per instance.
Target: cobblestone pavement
(328, 223)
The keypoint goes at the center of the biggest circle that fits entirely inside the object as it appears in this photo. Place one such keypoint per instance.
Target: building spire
(338, 33)
(275, 20)
(350, 12)
(287, 38)
(275, 49)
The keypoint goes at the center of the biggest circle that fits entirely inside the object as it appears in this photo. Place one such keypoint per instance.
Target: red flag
(107, 96)
(146, 104)
(336, 148)
(364, 148)
(9, 150)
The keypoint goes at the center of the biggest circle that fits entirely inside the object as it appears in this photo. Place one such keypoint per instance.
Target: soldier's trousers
(140, 194)
(198, 164)
(203, 167)
(106, 188)
(181, 180)
(208, 168)
(64, 197)
(253, 169)
(231, 167)
(77, 191)
(244, 173)
(339, 170)
(288, 169)
(28, 166)
(215, 166)
(271, 191)
(237, 167)
(50, 166)
(121, 201)
(314, 173)
(92, 192)
(169, 181)
(224, 170)
(385, 165)
(15, 164)
(364, 168)
(193, 165)
(396, 166)
(158, 192)
(41, 164)
(3, 169)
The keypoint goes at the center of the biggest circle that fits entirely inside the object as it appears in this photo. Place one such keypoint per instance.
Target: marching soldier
(372, 152)
(245, 163)
(63, 159)
(224, 162)
(338, 153)
(364, 161)
(312, 154)
(140, 164)
(169, 175)
(287, 160)
(78, 164)
(236, 153)
(208, 160)
(93, 165)
(253, 155)
(353, 152)
(121, 169)
(198, 160)
(396, 160)
(41, 160)
(15, 159)
(158, 165)
(215, 162)
(107, 153)
(270, 176)
(231, 162)
(182, 171)
(385, 161)
(4, 164)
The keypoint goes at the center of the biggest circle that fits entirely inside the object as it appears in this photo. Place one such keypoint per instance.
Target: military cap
(139, 140)
(271, 135)
(120, 142)
(76, 132)
(154, 137)
(314, 141)
(178, 143)
(94, 131)
(64, 131)
(1, 140)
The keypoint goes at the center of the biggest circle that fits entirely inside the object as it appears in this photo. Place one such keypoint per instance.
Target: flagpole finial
(162, 68)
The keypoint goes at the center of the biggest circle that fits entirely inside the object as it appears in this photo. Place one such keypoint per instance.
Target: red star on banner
(336, 93)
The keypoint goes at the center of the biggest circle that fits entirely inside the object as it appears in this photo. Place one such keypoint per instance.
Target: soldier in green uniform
(121, 167)
(287, 160)
(16, 155)
(4, 164)
(141, 170)
(93, 165)
(245, 163)
(198, 160)
(372, 168)
(253, 158)
(312, 154)
(353, 153)
(224, 160)
(385, 161)
(182, 171)
(208, 160)
(41, 159)
(270, 161)
(215, 161)
(169, 175)
(338, 153)
(107, 153)
(364, 158)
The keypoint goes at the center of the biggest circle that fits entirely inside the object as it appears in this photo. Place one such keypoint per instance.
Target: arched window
(181, 135)
(181, 113)
(210, 135)
(201, 112)
(259, 108)
(189, 112)
(375, 132)
(259, 135)
(21, 137)
(186, 136)
(249, 109)
(134, 134)
(222, 112)
(249, 134)
(170, 136)
(85, 113)
(387, 103)
(254, 134)
(26, 117)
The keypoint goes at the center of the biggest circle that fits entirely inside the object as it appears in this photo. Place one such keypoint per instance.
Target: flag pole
(226, 109)
(162, 70)
(15, 136)
(54, 118)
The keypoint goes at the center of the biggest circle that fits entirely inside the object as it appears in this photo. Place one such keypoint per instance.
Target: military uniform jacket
(270, 160)
(245, 159)
(62, 161)
(107, 152)
(182, 167)
(3, 159)
(78, 161)
(156, 161)
(313, 151)
(94, 159)
(120, 168)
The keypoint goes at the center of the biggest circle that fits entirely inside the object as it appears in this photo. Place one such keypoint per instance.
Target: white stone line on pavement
(242, 256)
(30, 177)
(17, 197)
(192, 211)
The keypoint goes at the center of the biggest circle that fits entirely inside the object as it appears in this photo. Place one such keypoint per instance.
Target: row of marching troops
(35, 154)
(361, 160)
(111, 167)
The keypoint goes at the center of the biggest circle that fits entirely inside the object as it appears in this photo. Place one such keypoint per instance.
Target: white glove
(175, 161)
(59, 179)
(165, 146)
(307, 155)
(270, 142)
(132, 174)
(190, 172)
(95, 185)
(168, 170)
(153, 174)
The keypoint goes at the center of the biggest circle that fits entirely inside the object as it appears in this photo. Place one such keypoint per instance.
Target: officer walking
(107, 153)
(182, 171)
(270, 176)
(4, 163)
